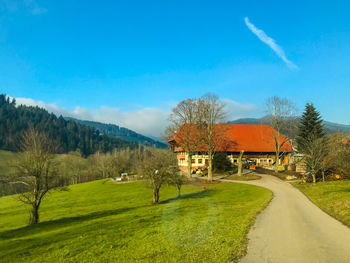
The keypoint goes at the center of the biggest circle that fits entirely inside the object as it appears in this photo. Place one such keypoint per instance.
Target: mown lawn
(332, 197)
(102, 221)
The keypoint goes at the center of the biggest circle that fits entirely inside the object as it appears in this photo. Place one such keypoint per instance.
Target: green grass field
(332, 197)
(102, 221)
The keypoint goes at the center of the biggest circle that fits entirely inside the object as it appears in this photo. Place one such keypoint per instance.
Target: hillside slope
(102, 221)
(120, 132)
(330, 127)
(69, 135)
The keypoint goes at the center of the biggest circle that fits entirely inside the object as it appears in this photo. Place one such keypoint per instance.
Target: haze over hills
(70, 135)
(330, 127)
(120, 132)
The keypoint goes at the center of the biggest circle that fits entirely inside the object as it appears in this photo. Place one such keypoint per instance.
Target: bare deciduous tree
(177, 179)
(72, 165)
(36, 169)
(281, 117)
(211, 113)
(158, 167)
(339, 154)
(102, 164)
(114, 163)
(183, 119)
(314, 155)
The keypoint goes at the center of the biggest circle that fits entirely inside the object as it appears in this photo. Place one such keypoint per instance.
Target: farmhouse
(257, 142)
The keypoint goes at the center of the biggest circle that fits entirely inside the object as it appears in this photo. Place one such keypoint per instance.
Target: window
(193, 161)
(200, 161)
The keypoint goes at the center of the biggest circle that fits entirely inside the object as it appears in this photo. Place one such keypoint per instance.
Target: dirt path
(293, 229)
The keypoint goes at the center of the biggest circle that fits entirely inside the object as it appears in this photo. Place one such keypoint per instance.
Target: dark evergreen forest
(70, 135)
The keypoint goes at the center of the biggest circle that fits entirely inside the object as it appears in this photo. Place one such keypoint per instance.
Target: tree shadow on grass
(201, 194)
(62, 222)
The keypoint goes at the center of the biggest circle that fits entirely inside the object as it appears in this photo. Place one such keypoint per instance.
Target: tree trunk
(322, 175)
(189, 165)
(178, 190)
(313, 176)
(210, 170)
(34, 218)
(155, 196)
(277, 162)
(239, 172)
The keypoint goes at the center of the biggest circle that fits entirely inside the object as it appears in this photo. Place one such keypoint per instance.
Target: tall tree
(36, 169)
(212, 112)
(311, 140)
(281, 113)
(183, 119)
(310, 127)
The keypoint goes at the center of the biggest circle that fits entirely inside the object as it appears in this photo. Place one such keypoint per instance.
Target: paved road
(293, 229)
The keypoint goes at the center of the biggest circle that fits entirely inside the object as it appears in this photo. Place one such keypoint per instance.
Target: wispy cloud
(270, 42)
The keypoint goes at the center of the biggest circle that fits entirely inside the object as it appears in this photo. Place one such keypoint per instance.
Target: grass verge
(105, 222)
(331, 197)
(246, 177)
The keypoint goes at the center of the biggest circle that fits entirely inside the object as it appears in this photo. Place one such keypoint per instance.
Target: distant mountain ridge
(120, 132)
(330, 127)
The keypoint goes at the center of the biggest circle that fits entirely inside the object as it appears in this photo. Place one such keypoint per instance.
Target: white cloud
(270, 42)
(235, 110)
(149, 121)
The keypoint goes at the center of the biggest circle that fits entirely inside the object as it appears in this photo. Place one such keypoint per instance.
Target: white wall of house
(199, 160)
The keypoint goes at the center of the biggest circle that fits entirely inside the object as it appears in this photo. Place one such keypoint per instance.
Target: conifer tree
(310, 127)
(311, 141)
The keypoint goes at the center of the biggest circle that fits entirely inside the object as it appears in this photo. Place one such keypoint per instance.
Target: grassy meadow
(102, 221)
(331, 197)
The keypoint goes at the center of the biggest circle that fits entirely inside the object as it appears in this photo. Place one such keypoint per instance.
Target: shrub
(220, 162)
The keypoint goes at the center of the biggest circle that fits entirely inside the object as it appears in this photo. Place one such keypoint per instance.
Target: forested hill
(330, 127)
(120, 132)
(71, 136)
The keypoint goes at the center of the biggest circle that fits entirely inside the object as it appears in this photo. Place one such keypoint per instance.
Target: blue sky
(129, 62)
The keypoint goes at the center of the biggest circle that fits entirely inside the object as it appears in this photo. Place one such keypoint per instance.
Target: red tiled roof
(247, 137)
